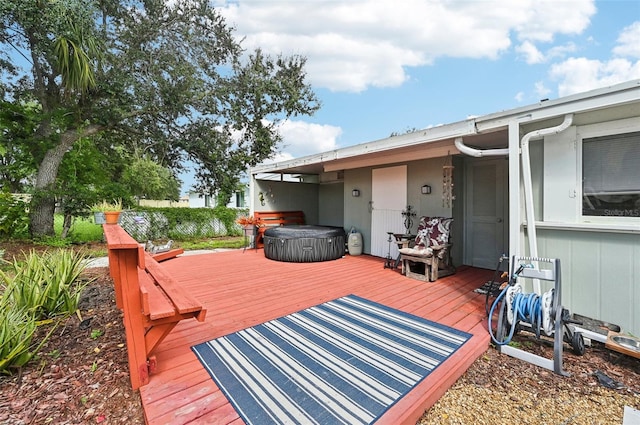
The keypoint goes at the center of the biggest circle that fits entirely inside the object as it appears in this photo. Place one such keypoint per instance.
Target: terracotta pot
(111, 217)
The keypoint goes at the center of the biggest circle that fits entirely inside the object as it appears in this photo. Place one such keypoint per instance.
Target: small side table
(403, 240)
(249, 237)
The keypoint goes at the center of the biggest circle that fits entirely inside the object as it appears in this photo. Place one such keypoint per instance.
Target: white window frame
(611, 128)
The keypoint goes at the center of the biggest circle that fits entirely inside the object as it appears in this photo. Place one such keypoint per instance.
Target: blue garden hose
(526, 308)
(491, 311)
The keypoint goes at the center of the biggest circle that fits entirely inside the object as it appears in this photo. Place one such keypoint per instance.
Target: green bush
(45, 285)
(40, 286)
(145, 223)
(14, 219)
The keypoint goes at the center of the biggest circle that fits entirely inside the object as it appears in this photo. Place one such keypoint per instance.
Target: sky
(382, 67)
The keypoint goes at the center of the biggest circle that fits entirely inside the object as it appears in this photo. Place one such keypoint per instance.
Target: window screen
(611, 175)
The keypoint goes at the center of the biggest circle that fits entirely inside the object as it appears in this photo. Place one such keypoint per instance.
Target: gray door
(486, 214)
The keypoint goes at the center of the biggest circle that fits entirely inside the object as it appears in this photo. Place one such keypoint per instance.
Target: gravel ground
(499, 389)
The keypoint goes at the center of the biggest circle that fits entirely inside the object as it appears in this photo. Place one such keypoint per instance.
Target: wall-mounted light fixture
(355, 193)
(426, 189)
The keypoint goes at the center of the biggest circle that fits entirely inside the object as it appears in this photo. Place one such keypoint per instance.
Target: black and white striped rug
(342, 362)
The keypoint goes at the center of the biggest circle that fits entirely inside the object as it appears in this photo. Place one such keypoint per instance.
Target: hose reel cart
(534, 312)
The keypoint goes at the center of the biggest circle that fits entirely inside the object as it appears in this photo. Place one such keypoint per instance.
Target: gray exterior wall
(429, 171)
(356, 210)
(600, 274)
(600, 256)
(331, 203)
(287, 196)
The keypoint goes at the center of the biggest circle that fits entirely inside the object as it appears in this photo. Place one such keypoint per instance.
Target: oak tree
(168, 79)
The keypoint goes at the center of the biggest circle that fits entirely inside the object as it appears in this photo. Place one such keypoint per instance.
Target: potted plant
(249, 225)
(98, 214)
(107, 212)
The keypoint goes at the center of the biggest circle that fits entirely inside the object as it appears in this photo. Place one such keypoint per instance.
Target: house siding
(599, 255)
(331, 204)
(600, 273)
(419, 173)
(356, 210)
(600, 268)
(287, 196)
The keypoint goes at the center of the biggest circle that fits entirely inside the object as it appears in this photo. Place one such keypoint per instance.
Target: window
(611, 176)
(240, 200)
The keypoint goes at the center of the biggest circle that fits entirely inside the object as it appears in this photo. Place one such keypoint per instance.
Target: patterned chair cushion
(417, 252)
(433, 231)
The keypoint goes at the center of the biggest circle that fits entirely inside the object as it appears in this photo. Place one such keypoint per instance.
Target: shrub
(45, 285)
(146, 223)
(16, 333)
(41, 285)
(14, 219)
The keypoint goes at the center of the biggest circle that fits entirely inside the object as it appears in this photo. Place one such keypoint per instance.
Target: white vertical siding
(391, 220)
(389, 198)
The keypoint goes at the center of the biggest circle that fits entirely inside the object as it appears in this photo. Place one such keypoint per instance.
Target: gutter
(479, 153)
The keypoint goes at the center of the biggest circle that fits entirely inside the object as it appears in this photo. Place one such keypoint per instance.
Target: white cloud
(560, 51)
(530, 52)
(301, 138)
(534, 56)
(542, 20)
(541, 90)
(581, 74)
(352, 45)
(519, 97)
(629, 42)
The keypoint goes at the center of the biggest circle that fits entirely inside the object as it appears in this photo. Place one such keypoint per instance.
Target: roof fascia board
(293, 163)
(443, 132)
(423, 151)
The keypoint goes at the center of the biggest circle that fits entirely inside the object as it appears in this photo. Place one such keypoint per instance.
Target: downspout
(528, 185)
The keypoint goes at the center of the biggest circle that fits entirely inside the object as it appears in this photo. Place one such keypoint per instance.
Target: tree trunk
(43, 203)
(66, 225)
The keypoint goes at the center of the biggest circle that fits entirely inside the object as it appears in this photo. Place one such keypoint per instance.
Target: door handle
(499, 220)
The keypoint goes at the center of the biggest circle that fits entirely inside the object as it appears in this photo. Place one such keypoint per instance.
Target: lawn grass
(83, 230)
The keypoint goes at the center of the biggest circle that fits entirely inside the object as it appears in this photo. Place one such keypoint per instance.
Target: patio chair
(430, 258)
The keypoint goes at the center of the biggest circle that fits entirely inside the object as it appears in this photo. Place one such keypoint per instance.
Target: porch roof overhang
(484, 132)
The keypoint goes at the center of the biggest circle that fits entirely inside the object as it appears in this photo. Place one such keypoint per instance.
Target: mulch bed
(81, 374)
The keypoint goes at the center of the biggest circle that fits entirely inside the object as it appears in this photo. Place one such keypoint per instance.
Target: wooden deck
(242, 289)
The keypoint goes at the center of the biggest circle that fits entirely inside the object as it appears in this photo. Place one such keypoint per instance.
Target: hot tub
(304, 243)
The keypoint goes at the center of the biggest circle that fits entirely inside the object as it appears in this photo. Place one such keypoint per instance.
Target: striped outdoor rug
(345, 361)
